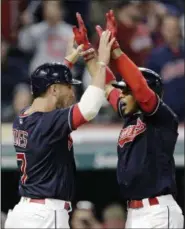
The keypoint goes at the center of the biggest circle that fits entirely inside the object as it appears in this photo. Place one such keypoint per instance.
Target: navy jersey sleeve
(164, 116)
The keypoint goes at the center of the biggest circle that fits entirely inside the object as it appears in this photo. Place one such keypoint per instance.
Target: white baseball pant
(167, 214)
(35, 215)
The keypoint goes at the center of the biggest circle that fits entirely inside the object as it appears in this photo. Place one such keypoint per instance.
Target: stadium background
(95, 144)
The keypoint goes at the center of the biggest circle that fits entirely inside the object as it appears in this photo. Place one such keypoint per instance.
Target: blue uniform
(45, 154)
(145, 154)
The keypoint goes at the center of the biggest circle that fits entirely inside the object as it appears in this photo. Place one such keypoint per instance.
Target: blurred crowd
(151, 33)
(84, 216)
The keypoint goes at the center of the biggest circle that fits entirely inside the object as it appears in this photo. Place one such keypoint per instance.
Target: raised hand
(105, 47)
(111, 25)
(80, 33)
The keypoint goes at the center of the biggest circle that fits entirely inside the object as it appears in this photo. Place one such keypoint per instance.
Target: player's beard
(67, 102)
(70, 101)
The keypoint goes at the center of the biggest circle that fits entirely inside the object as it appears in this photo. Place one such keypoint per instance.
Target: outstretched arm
(112, 94)
(93, 97)
(146, 98)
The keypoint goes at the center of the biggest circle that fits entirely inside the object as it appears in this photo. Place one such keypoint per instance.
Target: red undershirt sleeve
(113, 98)
(109, 76)
(114, 95)
(77, 117)
(146, 98)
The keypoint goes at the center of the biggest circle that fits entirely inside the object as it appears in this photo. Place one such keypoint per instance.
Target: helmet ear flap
(157, 89)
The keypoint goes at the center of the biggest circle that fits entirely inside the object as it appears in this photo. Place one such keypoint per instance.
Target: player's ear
(53, 89)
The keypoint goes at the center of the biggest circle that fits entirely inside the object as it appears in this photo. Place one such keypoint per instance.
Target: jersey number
(21, 157)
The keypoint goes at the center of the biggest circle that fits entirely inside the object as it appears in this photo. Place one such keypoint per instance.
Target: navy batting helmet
(48, 74)
(153, 80)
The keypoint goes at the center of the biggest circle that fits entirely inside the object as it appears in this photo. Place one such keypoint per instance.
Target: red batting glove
(80, 33)
(111, 25)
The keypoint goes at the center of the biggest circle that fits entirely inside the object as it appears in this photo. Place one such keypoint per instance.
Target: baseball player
(42, 138)
(146, 168)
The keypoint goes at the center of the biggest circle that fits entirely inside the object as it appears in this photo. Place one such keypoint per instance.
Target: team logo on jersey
(70, 142)
(130, 132)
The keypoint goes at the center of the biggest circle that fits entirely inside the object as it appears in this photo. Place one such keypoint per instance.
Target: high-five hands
(111, 25)
(81, 38)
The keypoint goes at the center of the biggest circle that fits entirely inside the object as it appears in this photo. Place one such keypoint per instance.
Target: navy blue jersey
(146, 145)
(45, 154)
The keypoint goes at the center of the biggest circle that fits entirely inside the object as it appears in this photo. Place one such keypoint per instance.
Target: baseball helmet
(153, 80)
(48, 74)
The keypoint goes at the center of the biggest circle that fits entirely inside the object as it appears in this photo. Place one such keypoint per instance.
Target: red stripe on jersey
(109, 76)
(22, 157)
(23, 115)
(113, 98)
(77, 117)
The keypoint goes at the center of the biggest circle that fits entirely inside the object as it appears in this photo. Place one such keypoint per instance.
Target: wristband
(102, 63)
